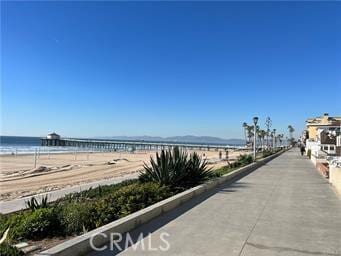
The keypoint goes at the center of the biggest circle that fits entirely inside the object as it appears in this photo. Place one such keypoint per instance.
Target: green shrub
(266, 153)
(244, 159)
(36, 225)
(223, 170)
(3, 223)
(8, 250)
(14, 223)
(107, 210)
(31, 225)
(84, 213)
(76, 217)
(98, 192)
(138, 196)
(176, 169)
(235, 164)
(309, 153)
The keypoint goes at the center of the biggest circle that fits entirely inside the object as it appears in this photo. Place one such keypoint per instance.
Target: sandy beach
(19, 177)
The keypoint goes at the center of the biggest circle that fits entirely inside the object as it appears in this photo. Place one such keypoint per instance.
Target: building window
(325, 147)
(331, 148)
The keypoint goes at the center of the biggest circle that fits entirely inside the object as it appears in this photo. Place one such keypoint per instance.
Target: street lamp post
(255, 120)
(274, 139)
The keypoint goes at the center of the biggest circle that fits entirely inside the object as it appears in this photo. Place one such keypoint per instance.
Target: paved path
(20, 203)
(284, 208)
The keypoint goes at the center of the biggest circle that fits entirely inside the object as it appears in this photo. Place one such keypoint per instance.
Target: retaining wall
(335, 178)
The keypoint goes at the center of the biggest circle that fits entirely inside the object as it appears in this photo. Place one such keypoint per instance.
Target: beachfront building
(328, 142)
(323, 142)
(315, 125)
(321, 135)
(338, 145)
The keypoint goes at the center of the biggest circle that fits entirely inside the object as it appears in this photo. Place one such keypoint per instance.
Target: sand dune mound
(114, 161)
(39, 169)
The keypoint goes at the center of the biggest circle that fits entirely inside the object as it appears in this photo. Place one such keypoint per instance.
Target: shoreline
(65, 152)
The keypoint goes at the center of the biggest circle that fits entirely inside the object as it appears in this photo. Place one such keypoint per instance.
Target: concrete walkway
(284, 208)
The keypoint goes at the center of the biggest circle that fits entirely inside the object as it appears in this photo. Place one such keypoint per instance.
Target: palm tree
(291, 130)
(280, 136)
(245, 128)
(249, 132)
(261, 135)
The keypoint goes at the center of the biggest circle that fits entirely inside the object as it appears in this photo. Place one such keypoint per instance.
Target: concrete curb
(80, 245)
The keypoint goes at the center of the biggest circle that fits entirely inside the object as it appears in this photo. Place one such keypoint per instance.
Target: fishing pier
(117, 145)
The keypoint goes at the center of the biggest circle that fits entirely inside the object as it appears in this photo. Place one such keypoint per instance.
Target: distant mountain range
(187, 138)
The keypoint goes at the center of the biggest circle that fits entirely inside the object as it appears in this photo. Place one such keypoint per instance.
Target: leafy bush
(8, 250)
(68, 218)
(138, 196)
(76, 218)
(33, 225)
(244, 159)
(30, 225)
(309, 153)
(14, 223)
(3, 223)
(89, 209)
(266, 153)
(223, 170)
(176, 169)
(107, 210)
(98, 192)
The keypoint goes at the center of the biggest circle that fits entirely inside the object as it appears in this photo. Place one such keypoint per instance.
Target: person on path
(302, 150)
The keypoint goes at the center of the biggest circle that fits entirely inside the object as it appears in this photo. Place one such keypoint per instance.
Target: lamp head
(255, 120)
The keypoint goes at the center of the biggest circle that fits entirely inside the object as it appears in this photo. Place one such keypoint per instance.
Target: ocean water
(29, 145)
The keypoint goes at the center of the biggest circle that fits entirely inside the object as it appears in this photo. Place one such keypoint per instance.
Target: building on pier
(52, 139)
(53, 136)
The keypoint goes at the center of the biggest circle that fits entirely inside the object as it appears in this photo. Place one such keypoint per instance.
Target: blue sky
(167, 68)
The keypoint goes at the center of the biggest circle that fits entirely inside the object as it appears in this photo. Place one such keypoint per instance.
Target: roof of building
(54, 134)
(324, 120)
